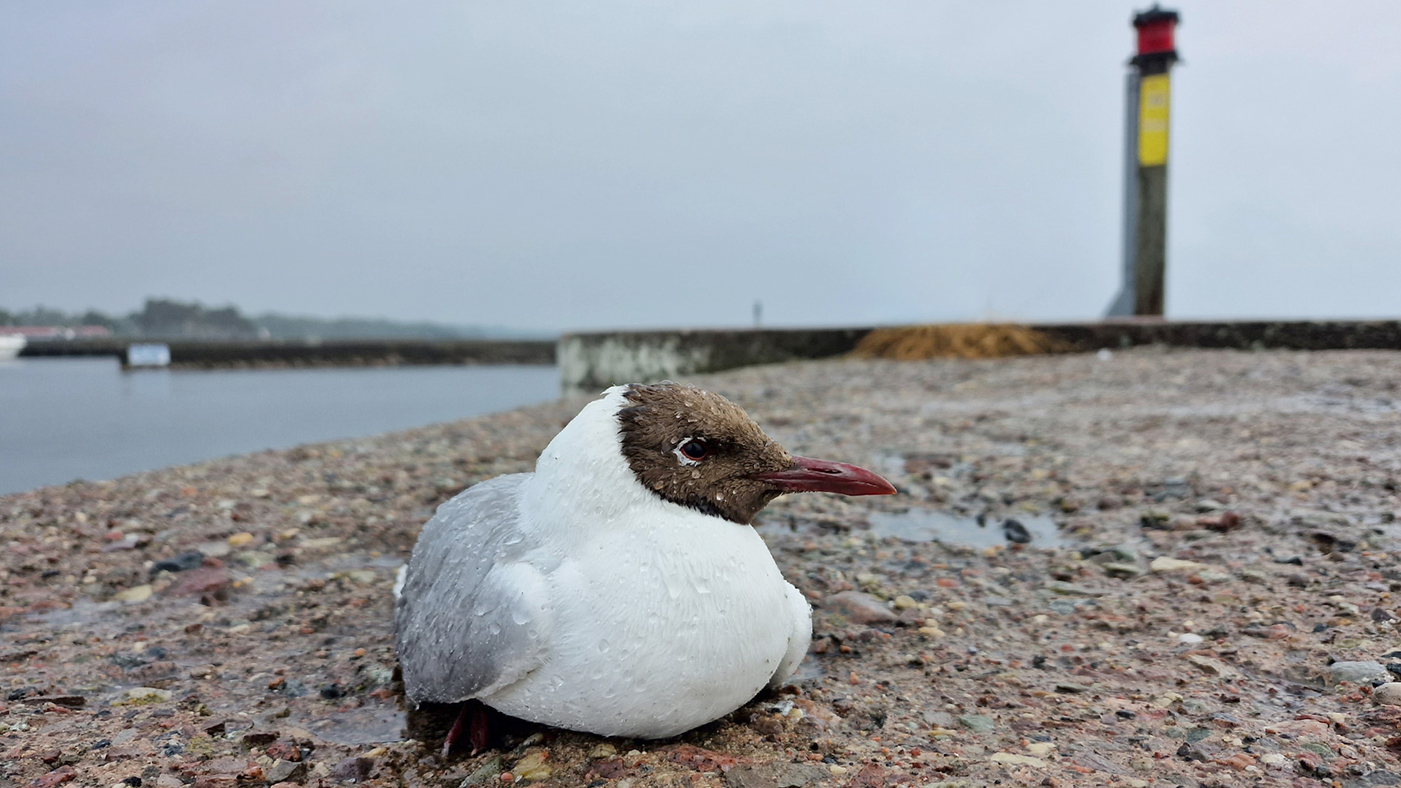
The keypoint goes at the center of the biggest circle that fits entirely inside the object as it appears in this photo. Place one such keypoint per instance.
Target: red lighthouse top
(1155, 31)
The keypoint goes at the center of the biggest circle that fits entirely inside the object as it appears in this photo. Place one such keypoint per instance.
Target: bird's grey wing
(473, 614)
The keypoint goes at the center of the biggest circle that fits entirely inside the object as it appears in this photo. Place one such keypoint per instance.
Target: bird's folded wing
(473, 615)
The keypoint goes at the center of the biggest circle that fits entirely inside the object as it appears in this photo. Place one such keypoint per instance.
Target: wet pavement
(1164, 568)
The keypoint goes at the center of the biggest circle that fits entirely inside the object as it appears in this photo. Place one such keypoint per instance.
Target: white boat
(11, 345)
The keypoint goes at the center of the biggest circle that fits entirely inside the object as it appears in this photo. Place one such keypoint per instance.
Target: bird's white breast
(659, 630)
(666, 618)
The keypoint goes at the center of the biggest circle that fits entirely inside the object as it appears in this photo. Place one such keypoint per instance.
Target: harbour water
(66, 419)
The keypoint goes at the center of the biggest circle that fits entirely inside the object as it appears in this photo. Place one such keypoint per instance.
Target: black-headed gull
(619, 589)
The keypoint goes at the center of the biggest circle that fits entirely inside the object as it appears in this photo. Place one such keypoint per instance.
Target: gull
(620, 589)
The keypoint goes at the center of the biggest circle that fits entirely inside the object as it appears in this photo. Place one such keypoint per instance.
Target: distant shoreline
(259, 354)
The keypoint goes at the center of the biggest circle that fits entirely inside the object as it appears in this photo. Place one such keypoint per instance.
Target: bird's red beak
(809, 475)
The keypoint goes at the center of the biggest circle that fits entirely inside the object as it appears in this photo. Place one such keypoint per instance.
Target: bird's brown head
(697, 449)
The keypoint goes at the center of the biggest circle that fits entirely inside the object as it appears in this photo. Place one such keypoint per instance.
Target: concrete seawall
(598, 360)
(603, 359)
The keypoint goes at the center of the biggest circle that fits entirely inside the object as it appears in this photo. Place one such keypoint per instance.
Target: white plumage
(577, 598)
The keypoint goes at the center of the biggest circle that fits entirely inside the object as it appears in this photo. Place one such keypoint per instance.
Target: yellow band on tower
(1154, 103)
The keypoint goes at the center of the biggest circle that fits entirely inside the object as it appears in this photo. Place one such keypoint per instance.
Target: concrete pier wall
(598, 360)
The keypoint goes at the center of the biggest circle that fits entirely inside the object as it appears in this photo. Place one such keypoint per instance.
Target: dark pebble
(1293, 559)
(1394, 668)
(134, 782)
(180, 563)
(1125, 714)
(1380, 615)
(100, 743)
(157, 652)
(259, 738)
(1014, 531)
(332, 691)
(352, 769)
(127, 660)
(1320, 628)
(1189, 753)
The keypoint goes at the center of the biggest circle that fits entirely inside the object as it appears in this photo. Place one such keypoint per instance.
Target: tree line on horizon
(171, 319)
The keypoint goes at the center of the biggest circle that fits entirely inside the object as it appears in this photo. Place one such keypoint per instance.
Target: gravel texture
(1206, 596)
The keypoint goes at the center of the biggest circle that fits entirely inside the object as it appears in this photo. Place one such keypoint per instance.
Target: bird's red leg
(479, 727)
(456, 730)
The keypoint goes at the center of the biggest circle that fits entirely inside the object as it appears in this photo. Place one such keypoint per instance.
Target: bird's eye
(694, 450)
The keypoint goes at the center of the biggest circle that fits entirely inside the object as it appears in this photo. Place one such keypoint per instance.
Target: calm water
(65, 419)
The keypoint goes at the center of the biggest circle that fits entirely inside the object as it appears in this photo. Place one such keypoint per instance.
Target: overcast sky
(625, 164)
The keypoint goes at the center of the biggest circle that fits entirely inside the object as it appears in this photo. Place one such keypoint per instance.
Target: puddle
(99, 618)
(927, 525)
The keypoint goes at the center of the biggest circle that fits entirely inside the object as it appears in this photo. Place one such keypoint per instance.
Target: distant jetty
(226, 354)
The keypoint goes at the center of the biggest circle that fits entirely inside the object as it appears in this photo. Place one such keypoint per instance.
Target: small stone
(1239, 761)
(286, 771)
(259, 738)
(1274, 760)
(933, 632)
(1215, 666)
(859, 608)
(1388, 694)
(53, 778)
(135, 594)
(488, 773)
(1166, 700)
(1189, 638)
(601, 751)
(1040, 748)
(241, 539)
(533, 767)
(353, 768)
(1165, 564)
(180, 563)
(1072, 589)
(776, 775)
(904, 602)
(978, 723)
(1182, 522)
(1155, 517)
(206, 580)
(1012, 759)
(143, 695)
(1357, 672)
(1015, 532)
(1122, 570)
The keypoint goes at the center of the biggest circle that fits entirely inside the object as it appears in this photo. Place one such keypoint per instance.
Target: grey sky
(577, 165)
